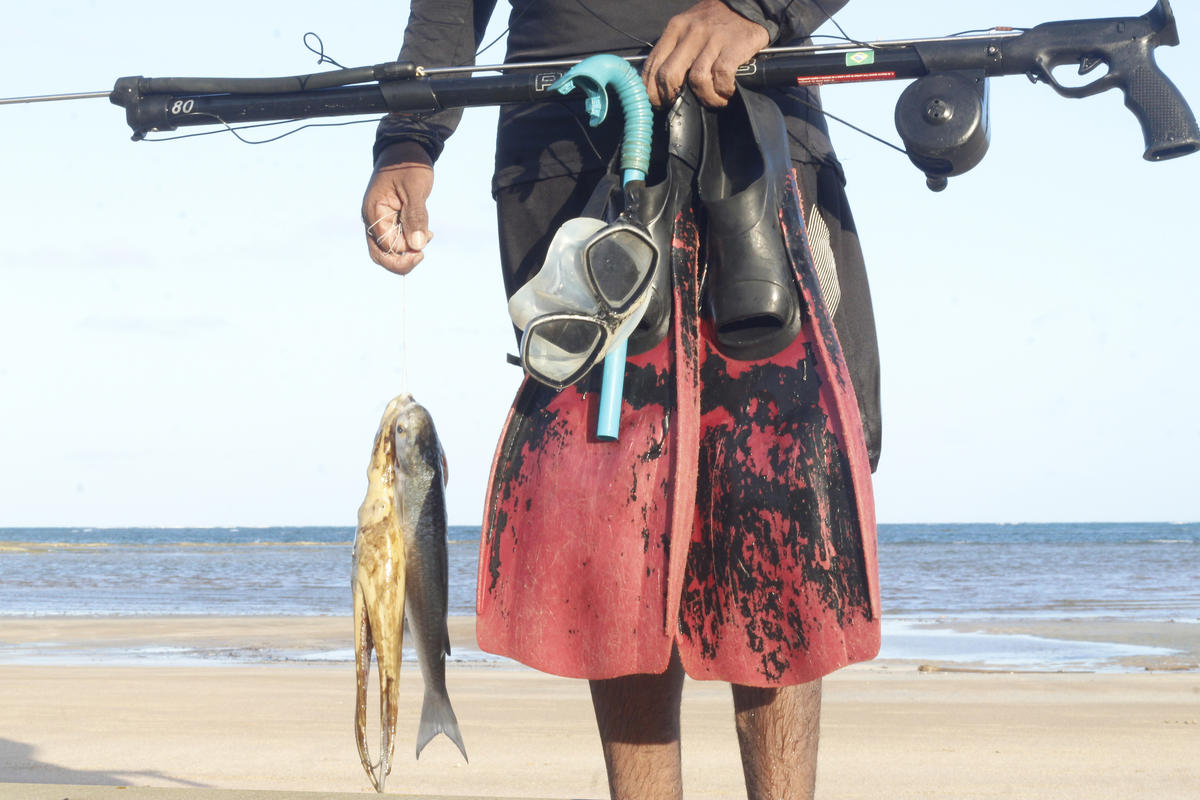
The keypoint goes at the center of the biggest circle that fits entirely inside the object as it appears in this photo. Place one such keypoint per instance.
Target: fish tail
(437, 716)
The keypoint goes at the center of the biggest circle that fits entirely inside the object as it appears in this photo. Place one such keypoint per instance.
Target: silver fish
(400, 558)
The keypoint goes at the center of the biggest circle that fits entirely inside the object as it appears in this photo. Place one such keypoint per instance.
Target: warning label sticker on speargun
(853, 77)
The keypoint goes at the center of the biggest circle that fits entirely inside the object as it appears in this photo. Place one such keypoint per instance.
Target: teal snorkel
(593, 75)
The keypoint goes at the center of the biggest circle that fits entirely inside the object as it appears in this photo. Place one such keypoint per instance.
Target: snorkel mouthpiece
(593, 75)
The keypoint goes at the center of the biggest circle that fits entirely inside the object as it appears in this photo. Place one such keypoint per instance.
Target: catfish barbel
(400, 557)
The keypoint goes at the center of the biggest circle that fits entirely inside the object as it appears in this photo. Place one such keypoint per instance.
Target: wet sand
(889, 729)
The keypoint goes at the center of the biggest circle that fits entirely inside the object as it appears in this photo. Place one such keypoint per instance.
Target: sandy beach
(890, 729)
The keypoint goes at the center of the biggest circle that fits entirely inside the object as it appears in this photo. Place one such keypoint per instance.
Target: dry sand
(263, 732)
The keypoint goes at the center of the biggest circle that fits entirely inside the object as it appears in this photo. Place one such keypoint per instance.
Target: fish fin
(445, 465)
(437, 716)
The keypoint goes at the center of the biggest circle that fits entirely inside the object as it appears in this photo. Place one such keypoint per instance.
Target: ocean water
(1056, 571)
(960, 572)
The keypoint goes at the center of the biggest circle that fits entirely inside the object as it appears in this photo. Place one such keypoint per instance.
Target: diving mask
(589, 296)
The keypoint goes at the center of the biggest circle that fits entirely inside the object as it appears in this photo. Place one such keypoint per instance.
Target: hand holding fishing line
(704, 46)
(393, 210)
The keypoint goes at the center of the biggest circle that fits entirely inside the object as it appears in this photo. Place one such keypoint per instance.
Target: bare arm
(439, 33)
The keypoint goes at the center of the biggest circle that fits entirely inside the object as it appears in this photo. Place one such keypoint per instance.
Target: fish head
(383, 452)
(417, 450)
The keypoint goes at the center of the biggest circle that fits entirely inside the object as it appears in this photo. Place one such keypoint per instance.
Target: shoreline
(1005, 645)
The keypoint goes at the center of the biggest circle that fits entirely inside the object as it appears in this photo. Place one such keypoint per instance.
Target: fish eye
(399, 429)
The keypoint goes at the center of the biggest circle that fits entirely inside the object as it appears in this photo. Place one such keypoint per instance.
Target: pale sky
(191, 332)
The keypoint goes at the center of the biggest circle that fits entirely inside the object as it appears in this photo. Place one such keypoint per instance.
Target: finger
(385, 237)
(662, 49)
(382, 221)
(401, 262)
(724, 72)
(673, 71)
(414, 222)
(700, 75)
(392, 248)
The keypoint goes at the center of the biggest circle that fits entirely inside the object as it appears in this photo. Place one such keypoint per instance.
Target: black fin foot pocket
(743, 175)
(668, 188)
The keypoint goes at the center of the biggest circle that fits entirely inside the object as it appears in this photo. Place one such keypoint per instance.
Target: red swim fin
(781, 580)
(733, 518)
(577, 532)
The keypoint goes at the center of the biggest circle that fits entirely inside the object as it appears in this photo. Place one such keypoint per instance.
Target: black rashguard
(547, 151)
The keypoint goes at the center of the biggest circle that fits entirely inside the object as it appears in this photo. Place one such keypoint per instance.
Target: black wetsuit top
(547, 140)
(552, 140)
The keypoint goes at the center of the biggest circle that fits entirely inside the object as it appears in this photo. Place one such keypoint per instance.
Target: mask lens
(556, 349)
(620, 262)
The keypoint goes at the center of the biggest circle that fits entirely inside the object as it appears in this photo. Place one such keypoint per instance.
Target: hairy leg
(778, 731)
(638, 718)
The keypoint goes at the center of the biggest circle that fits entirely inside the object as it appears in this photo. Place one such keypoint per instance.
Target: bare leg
(778, 730)
(638, 717)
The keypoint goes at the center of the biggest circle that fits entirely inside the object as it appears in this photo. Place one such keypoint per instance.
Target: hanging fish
(400, 558)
